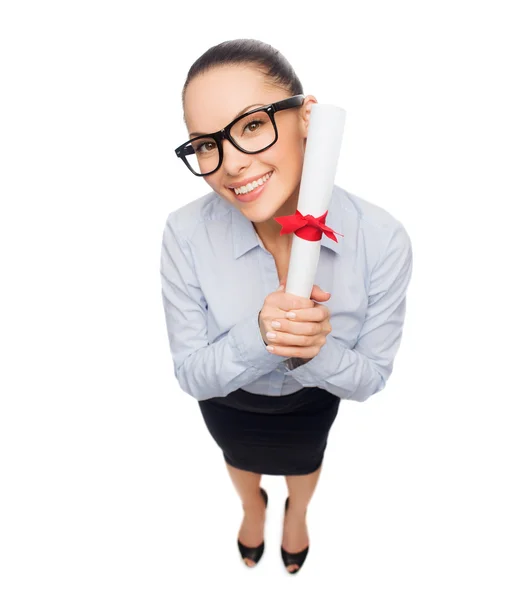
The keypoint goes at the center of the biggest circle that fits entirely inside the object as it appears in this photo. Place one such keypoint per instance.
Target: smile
(251, 186)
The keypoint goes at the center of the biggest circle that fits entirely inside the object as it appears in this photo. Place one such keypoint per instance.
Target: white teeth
(251, 186)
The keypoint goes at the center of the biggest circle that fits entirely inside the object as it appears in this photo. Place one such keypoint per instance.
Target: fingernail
(291, 315)
(281, 287)
(271, 335)
(270, 348)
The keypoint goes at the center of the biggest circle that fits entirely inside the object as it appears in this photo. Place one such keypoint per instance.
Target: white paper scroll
(323, 144)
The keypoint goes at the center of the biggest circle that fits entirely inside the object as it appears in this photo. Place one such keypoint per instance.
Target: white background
(111, 485)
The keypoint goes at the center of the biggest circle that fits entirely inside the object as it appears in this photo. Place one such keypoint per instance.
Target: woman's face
(212, 100)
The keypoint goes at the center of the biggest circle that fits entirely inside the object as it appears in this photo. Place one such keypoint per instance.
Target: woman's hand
(304, 335)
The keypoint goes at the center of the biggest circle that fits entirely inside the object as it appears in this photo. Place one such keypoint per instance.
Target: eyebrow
(195, 133)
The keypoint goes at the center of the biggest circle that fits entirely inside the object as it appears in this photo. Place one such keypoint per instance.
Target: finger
(291, 351)
(317, 313)
(289, 302)
(294, 327)
(319, 294)
(282, 283)
(316, 287)
(284, 338)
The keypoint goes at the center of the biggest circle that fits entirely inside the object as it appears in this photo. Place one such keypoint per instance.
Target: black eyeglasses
(251, 133)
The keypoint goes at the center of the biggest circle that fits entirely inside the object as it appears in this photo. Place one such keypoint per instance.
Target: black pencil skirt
(272, 435)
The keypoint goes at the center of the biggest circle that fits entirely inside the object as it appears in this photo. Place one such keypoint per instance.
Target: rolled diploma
(323, 145)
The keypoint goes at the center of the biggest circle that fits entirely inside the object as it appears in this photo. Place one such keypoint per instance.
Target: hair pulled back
(248, 52)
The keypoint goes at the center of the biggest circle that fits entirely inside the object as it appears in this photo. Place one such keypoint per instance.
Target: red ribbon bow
(306, 227)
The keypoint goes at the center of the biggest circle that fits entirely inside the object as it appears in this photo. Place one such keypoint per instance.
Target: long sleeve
(206, 370)
(358, 373)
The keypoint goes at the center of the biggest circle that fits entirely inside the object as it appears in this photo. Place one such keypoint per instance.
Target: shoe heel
(293, 558)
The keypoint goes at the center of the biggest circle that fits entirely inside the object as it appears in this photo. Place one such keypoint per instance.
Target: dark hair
(248, 52)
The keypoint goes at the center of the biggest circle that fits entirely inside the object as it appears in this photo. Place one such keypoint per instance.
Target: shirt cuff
(250, 345)
(321, 366)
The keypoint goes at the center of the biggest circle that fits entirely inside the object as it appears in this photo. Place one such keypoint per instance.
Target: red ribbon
(306, 227)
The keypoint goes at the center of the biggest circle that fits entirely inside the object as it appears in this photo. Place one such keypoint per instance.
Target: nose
(234, 160)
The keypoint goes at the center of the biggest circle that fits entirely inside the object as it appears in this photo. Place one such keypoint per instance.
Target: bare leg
(247, 485)
(295, 533)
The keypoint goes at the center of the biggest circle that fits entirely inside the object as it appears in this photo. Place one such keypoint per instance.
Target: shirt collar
(245, 237)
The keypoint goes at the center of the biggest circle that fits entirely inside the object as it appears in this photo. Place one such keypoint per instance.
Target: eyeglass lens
(252, 133)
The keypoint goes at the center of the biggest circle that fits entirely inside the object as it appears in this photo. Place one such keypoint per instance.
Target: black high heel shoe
(254, 554)
(293, 558)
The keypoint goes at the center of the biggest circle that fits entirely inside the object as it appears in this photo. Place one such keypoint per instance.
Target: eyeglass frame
(225, 133)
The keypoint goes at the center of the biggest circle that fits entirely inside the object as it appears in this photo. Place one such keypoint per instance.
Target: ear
(305, 112)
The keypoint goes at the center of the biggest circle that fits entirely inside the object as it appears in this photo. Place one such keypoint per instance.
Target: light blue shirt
(216, 273)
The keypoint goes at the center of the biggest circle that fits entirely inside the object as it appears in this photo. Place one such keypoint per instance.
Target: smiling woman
(248, 107)
(270, 408)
